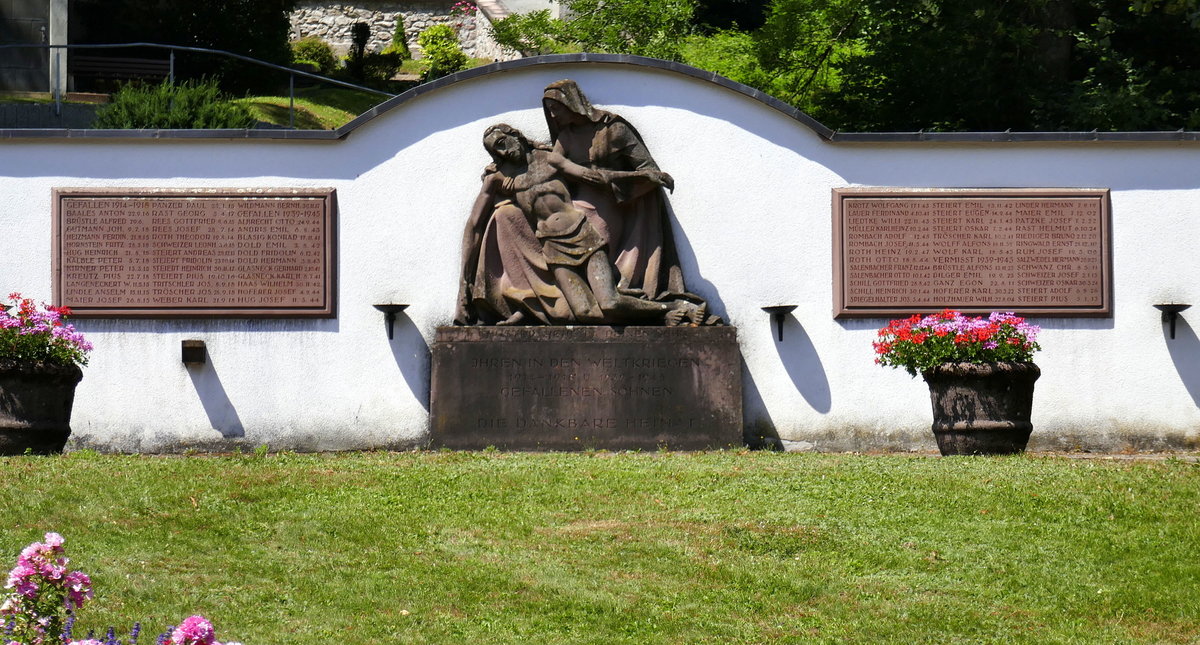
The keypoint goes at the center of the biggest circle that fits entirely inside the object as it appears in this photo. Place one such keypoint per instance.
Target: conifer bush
(399, 44)
(170, 106)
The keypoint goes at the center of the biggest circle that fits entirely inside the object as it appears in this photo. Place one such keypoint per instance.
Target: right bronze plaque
(1033, 251)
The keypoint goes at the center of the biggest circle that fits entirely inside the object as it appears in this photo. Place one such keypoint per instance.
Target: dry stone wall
(333, 22)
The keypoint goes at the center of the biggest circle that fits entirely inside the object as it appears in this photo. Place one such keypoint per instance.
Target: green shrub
(443, 55)
(380, 68)
(315, 51)
(187, 105)
(399, 40)
(398, 50)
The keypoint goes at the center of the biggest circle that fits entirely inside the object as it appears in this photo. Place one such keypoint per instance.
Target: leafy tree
(803, 45)
(921, 56)
(533, 34)
(1021, 65)
(1136, 70)
(652, 28)
(1188, 8)
(728, 52)
(721, 15)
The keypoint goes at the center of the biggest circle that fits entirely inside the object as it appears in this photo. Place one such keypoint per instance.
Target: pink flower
(54, 540)
(20, 579)
(194, 630)
(79, 589)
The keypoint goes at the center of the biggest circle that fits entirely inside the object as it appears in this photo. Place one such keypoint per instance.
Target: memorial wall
(280, 252)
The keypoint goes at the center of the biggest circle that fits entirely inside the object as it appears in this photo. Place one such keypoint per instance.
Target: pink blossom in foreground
(194, 630)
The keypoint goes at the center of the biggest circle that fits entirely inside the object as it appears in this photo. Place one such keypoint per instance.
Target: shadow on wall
(692, 280)
(412, 356)
(1185, 354)
(221, 414)
(803, 365)
(758, 428)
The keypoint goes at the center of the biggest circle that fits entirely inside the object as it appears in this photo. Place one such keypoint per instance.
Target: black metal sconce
(194, 352)
(389, 315)
(777, 313)
(1170, 312)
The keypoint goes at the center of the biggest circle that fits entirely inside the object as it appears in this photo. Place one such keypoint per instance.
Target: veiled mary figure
(633, 213)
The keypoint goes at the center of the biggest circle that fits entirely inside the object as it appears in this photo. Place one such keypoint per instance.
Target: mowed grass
(316, 108)
(720, 547)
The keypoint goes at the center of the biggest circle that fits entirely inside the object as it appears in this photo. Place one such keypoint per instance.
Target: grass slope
(316, 109)
(723, 547)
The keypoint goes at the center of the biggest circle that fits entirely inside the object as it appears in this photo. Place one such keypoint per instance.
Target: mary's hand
(593, 176)
(663, 179)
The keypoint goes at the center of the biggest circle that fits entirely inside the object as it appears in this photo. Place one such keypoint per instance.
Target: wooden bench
(111, 67)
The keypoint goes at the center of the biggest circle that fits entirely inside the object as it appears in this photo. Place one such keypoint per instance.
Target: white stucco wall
(752, 211)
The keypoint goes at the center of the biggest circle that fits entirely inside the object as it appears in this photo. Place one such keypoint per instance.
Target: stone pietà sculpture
(574, 231)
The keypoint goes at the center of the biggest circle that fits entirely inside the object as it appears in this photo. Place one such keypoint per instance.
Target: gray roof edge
(790, 111)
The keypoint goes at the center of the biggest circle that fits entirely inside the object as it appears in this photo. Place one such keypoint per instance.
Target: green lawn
(721, 547)
(316, 109)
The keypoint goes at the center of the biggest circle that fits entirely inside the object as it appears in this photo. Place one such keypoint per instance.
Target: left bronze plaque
(159, 252)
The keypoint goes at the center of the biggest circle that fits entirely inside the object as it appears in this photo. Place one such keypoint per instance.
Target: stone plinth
(579, 388)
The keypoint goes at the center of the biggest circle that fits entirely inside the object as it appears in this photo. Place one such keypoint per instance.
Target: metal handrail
(203, 50)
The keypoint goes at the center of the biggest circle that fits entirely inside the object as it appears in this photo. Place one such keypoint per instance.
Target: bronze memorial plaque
(157, 252)
(1032, 251)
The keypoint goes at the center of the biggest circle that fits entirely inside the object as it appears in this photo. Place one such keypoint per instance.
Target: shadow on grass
(351, 101)
(305, 120)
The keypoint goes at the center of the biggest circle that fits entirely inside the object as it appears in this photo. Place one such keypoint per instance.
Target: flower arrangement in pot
(40, 359)
(980, 373)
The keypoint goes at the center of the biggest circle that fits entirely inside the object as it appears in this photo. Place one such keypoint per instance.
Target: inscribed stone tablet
(1033, 251)
(587, 387)
(204, 252)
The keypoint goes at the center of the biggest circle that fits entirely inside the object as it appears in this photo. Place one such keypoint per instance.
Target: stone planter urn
(35, 406)
(982, 409)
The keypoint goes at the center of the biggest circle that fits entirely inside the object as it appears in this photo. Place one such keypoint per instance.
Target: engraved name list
(901, 253)
(185, 254)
